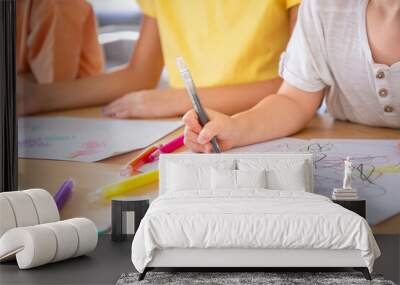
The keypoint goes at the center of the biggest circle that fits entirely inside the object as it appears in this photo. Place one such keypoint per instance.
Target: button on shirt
(329, 49)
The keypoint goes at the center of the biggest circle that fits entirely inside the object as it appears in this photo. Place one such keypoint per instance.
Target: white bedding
(250, 219)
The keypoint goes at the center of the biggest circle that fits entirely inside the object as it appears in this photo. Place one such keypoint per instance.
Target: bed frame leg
(143, 274)
(364, 271)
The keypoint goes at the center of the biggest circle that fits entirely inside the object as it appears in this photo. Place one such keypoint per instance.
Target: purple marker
(63, 193)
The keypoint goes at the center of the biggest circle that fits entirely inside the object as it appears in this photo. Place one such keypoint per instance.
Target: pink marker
(167, 148)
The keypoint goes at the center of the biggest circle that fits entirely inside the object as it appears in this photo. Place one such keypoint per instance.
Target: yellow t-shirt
(224, 42)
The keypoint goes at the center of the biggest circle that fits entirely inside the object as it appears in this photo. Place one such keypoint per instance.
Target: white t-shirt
(329, 49)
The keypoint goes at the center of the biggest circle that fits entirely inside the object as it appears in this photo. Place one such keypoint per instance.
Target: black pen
(192, 92)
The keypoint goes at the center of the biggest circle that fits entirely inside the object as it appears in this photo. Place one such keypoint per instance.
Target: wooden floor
(110, 260)
(103, 266)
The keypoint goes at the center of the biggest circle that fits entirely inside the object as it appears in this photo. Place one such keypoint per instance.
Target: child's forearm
(234, 99)
(228, 99)
(274, 117)
(95, 90)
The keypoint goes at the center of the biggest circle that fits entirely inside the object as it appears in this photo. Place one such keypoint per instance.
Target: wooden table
(49, 174)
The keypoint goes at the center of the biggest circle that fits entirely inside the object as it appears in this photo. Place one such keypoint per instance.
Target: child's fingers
(196, 147)
(208, 148)
(189, 116)
(210, 130)
(122, 115)
(107, 111)
(114, 104)
(190, 140)
(113, 107)
(191, 120)
(189, 135)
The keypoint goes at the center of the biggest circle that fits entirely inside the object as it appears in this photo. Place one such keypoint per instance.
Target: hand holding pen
(202, 116)
(198, 138)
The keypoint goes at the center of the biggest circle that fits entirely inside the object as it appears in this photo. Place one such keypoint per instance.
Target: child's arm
(173, 102)
(142, 72)
(276, 116)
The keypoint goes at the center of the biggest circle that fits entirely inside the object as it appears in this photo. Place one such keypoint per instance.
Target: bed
(247, 211)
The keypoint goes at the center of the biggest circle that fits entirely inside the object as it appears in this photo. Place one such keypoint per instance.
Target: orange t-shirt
(57, 40)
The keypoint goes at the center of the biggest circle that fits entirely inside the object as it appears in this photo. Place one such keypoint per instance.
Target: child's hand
(198, 139)
(145, 104)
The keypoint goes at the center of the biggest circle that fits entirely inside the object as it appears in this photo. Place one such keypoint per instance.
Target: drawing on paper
(91, 147)
(87, 140)
(376, 169)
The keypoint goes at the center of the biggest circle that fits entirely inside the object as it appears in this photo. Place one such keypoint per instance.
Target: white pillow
(223, 179)
(227, 179)
(251, 178)
(293, 180)
(181, 177)
(185, 175)
(283, 174)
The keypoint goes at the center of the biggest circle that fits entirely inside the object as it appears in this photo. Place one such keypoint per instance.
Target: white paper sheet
(87, 140)
(376, 168)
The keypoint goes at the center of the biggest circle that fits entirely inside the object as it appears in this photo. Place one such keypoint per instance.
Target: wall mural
(375, 169)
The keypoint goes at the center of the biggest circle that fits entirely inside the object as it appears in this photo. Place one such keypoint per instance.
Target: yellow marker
(121, 187)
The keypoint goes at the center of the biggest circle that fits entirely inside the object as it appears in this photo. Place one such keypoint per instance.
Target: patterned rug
(243, 278)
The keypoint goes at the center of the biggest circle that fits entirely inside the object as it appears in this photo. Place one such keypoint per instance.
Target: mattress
(250, 219)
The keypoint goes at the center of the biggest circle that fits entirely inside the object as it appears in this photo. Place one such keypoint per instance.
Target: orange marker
(137, 162)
